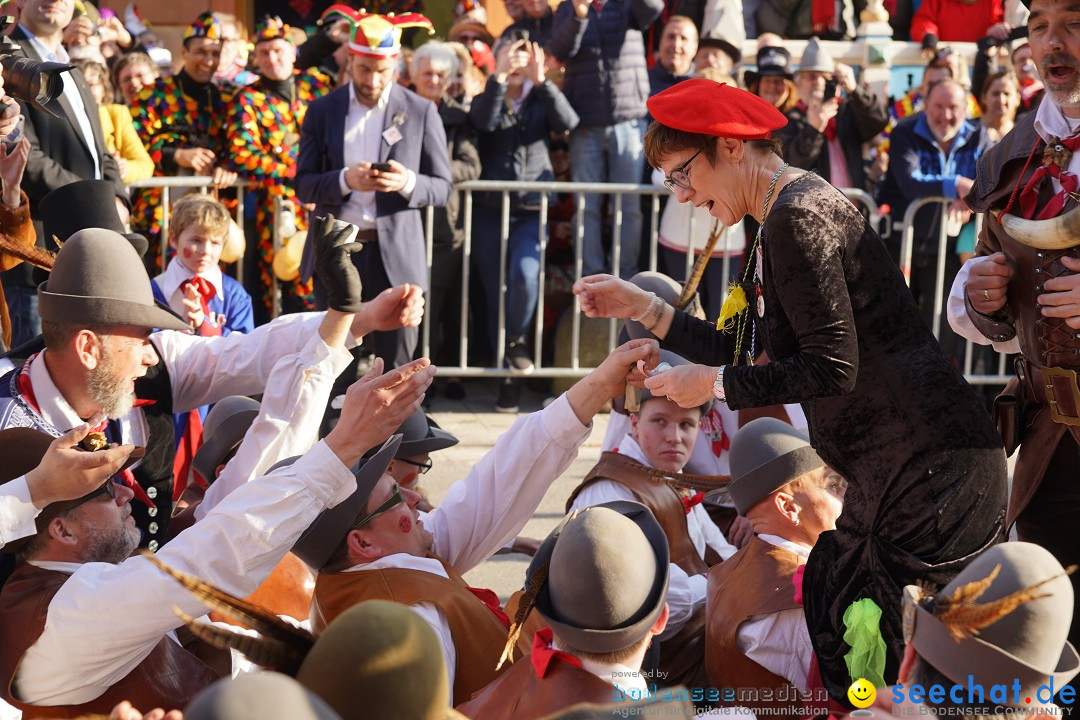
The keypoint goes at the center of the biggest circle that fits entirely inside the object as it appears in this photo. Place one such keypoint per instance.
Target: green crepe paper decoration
(866, 659)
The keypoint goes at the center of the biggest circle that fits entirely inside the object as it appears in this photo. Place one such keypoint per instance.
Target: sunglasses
(421, 467)
(108, 488)
(395, 499)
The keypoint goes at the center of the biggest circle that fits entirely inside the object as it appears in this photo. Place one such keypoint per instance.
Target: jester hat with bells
(1003, 619)
(380, 35)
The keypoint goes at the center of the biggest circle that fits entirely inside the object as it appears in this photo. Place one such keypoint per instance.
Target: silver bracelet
(648, 308)
(659, 315)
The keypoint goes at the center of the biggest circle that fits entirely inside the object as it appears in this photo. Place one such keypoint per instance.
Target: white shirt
(17, 512)
(289, 418)
(780, 642)
(363, 138)
(686, 593)
(71, 92)
(624, 678)
(491, 504)
(175, 274)
(107, 618)
(1049, 121)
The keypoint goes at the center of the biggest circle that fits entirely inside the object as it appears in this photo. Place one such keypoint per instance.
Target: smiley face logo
(862, 693)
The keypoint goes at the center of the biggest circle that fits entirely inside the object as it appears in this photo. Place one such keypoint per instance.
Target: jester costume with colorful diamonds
(262, 131)
(176, 113)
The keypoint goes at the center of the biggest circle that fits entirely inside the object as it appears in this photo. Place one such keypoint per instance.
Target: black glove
(334, 265)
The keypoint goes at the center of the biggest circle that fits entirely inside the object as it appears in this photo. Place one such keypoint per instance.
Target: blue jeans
(610, 154)
(522, 267)
(22, 305)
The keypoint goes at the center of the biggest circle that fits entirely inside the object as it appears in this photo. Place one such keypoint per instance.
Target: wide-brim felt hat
(1027, 644)
(765, 455)
(85, 204)
(223, 430)
(98, 279)
(772, 61)
(420, 434)
(666, 356)
(258, 696)
(316, 546)
(730, 48)
(601, 595)
(22, 450)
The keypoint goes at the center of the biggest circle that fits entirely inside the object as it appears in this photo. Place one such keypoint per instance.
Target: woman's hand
(607, 296)
(12, 165)
(688, 386)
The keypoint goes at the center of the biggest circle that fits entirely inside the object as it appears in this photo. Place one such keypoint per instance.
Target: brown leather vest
(478, 635)
(520, 694)
(1044, 342)
(752, 583)
(682, 656)
(655, 494)
(169, 676)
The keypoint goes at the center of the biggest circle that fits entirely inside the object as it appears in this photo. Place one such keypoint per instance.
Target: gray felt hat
(607, 576)
(420, 434)
(317, 544)
(1027, 644)
(666, 356)
(667, 290)
(816, 58)
(99, 279)
(766, 454)
(258, 696)
(223, 430)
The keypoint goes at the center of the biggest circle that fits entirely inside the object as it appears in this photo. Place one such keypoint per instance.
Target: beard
(110, 546)
(1063, 93)
(109, 392)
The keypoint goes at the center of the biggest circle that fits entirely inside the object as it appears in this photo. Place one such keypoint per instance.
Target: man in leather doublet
(1022, 294)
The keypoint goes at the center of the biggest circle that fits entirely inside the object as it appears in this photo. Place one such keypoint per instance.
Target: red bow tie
(206, 291)
(490, 599)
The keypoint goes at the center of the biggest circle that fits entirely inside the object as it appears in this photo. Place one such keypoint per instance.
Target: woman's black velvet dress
(926, 471)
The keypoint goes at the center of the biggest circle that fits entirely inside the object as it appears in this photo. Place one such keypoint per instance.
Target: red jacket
(955, 20)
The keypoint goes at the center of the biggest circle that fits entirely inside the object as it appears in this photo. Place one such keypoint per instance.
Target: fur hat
(379, 660)
(607, 576)
(766, 454)
(321, 539)
(1003, 619)
(98, 279)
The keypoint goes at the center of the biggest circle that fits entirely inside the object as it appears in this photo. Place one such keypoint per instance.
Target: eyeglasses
(395, 499)
(107, 488)
(422, 467)
(679, 177)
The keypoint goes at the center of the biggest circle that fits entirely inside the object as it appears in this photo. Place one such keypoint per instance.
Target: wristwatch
(718, 385)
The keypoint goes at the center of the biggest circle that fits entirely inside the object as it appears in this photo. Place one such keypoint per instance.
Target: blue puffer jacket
(607, 80)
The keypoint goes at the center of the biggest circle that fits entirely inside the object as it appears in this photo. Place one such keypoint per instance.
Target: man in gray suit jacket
(374, 153)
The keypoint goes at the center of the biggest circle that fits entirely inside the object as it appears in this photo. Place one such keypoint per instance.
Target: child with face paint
(210, 301)
(193, 284)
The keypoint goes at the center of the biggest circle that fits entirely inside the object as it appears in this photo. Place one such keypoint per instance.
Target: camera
(33, 82)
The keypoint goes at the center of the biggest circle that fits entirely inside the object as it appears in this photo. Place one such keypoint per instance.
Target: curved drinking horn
(1059, 233)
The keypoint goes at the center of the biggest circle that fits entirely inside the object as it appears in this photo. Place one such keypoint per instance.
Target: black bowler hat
(85, 204)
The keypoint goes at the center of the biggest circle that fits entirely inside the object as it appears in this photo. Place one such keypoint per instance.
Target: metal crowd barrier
(943, 283)
(578, 190)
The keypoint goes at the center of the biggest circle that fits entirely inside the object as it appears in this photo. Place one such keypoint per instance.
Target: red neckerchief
(796, 580)
(542, 653)
(712, 424)
(491, 600)
(26, 389)
(830, 127)
(1029, 196)
(206, 291)
(690, 502)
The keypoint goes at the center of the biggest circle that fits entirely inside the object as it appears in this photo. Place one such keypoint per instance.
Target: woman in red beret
(926, 472)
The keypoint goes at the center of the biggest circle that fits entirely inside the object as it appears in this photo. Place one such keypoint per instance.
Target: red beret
(712, 108)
